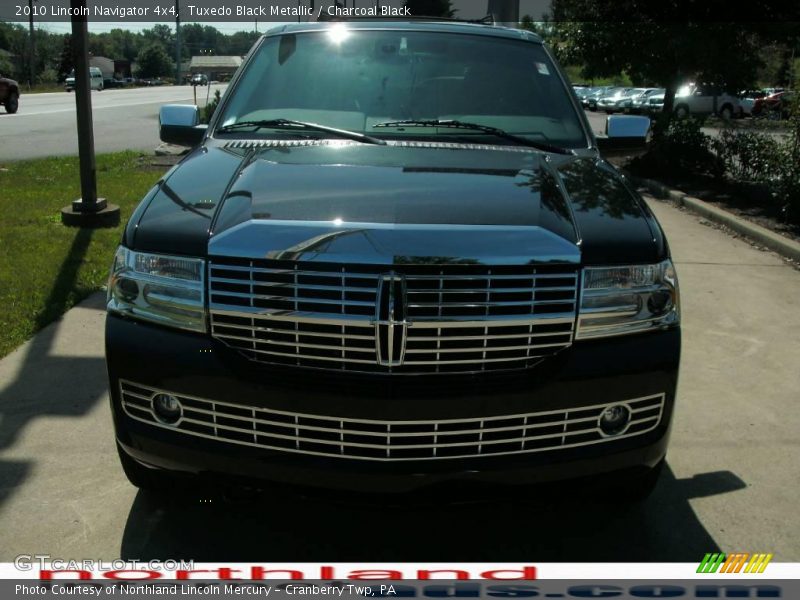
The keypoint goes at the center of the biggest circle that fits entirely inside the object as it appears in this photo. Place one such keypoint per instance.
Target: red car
(778, 104)
(9, 94)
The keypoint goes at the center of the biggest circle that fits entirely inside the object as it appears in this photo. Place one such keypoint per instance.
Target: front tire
(726, 112)
(12, 103)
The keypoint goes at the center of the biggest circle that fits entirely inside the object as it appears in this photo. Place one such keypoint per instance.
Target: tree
(154, 61)
(67, 62)
(241, 42)
(668, 42)
(123, 44)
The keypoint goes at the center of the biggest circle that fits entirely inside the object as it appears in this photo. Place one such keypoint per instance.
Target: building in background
(106, 65)
(218, 68)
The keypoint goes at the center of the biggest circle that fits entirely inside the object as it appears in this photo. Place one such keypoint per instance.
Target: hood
(395, 203)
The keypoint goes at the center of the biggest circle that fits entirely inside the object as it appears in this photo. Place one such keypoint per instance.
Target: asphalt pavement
(730, 485)
(124, 119)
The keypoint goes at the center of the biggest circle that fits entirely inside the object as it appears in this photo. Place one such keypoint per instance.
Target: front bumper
(587, 374)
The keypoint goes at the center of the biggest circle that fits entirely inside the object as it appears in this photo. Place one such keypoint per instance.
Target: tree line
(667, 43)
(151, 50)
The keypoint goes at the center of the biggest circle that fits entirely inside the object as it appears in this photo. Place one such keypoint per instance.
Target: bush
(680, 147)
(748, 155)
(763, 159)
(787, 186)
(208, 110)
(48, 76)
(771, 163)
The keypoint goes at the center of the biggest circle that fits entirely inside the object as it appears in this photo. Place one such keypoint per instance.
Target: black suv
(9, 94)
(394, 258)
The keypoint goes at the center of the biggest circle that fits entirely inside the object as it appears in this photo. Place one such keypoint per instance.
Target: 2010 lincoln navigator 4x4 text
(394, 258)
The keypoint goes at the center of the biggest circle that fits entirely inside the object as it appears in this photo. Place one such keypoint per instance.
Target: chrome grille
(365, 439)
(446, 318)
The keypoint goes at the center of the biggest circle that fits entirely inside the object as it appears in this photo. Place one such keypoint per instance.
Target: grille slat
(365, 439)
(452, 318)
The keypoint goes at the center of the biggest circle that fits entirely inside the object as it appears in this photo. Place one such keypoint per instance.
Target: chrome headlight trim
(168, 290)
(624, 299)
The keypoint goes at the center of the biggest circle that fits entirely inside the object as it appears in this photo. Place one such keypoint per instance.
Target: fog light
(167, 408)
(615, 419)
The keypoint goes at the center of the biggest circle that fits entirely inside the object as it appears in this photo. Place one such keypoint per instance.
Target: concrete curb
(769, 239)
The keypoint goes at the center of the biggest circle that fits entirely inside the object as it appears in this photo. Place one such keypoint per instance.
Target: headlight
(163, 289)
(627, 299)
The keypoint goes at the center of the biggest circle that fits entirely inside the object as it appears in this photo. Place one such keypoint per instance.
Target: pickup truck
(700, 99)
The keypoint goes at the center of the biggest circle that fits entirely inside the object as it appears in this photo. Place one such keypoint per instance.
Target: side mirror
(180, 124)
(625, 135)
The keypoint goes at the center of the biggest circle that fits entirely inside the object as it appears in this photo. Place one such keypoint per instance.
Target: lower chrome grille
(400, 319)
(364, 439)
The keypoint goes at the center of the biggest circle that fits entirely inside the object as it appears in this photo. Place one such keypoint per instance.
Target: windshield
(359, 79)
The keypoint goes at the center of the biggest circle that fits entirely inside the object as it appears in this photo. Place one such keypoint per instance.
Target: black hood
(282, 197)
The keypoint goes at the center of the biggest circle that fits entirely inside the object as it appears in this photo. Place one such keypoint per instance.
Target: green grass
(40, 88)
(45, 267)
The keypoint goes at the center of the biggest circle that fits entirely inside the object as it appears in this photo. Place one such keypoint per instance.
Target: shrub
(208, 110)
(680, 147)
(787, 186)
(772, 162)
(748, 155)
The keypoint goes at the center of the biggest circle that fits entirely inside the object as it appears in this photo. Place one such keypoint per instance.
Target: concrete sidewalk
(731, 482)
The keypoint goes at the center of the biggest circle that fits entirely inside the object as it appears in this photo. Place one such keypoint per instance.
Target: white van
(95, 80)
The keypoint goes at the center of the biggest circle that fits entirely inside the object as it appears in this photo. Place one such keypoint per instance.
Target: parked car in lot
(778, 105)
(611, 101)
(747, 100)
(96, 81)
(9, 94)
(590, 102)
(655, 104)
(641, 102)
(697, 100)
(113, 82)
(199, 79)
(320, 292)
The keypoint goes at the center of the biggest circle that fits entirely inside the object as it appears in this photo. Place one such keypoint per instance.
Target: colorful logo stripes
(738, 562)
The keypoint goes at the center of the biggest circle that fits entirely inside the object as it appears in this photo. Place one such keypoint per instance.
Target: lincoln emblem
(390, 320)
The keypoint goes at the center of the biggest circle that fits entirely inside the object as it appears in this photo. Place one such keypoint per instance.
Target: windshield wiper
(301, 125)
(451, 123)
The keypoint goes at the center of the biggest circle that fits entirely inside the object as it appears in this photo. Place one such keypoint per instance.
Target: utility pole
(177, 42)
(505, 12)
(88, 210)
(32, 47)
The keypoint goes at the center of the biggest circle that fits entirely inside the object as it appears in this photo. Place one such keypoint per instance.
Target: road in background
(124, 119)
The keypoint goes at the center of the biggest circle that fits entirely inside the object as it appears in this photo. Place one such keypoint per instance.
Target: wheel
(12, 103)
(726, 112)
(152, 480)
(682, 111)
